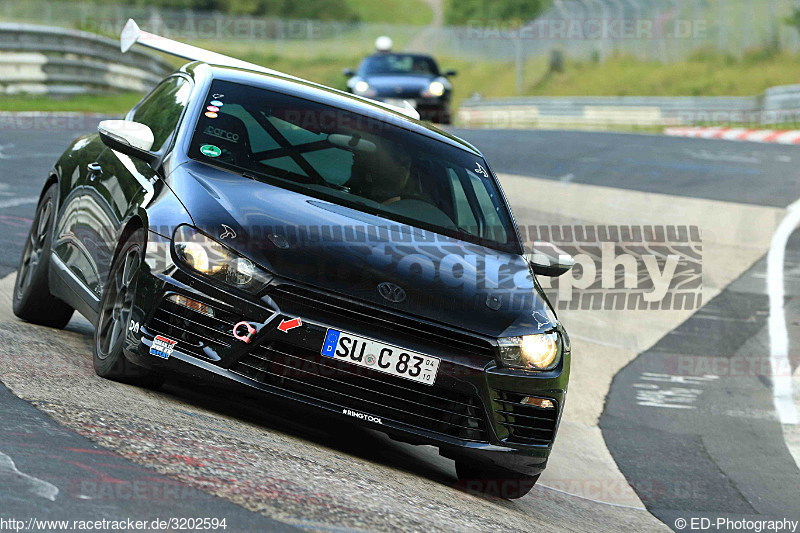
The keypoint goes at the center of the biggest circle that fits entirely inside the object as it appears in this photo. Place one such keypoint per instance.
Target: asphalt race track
(642, 443)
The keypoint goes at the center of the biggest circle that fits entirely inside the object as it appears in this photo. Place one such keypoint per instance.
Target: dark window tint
(398, 64)
(161, 110)
(353, 160)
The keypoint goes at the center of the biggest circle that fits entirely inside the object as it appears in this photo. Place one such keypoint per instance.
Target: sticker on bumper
(287, 325)
(362, 416)
(162, 347)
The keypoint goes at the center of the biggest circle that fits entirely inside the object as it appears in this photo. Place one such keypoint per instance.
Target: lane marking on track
(34, 485)
(623, 506)
(14, 202)
(778, 333)
(18, 155)
(706, 155)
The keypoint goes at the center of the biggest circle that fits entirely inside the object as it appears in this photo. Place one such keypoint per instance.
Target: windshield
(352, 160)
(398, 64)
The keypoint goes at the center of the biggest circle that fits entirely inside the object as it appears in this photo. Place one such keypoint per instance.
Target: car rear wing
(132, 34)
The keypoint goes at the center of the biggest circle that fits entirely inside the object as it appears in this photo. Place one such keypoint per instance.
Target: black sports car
(413, 78)
(288, 239)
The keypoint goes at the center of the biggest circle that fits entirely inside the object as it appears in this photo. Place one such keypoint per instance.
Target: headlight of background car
(436, 88)
(534, 352)
(207, 256)
(362, 88)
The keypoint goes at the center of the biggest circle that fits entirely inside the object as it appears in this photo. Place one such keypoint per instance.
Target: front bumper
(474, 410)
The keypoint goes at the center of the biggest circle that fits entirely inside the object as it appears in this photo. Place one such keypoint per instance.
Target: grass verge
(115, 104)
(411, 12)
(702, 74)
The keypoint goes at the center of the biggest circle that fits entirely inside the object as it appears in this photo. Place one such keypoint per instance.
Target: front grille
(366, 318)
(525, 424)
(361, 389)
(404, 94)
(197, 334)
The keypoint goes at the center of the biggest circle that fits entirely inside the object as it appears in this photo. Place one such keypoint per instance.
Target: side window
(161, 110)
(465, 219)
(487, 203)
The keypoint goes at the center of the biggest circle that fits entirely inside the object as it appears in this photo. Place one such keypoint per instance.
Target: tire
(493, 481)
(32, 300)
(115, 312)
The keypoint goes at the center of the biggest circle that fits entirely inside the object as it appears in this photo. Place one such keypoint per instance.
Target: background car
(397, 77)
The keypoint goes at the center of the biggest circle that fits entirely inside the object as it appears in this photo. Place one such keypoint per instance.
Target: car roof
(334, 98)
(410, 54)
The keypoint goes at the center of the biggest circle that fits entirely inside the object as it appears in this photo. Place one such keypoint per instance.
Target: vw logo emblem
(391, 292)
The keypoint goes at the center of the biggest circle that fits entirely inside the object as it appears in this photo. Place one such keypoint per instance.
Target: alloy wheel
(34, 247)
(117, 303)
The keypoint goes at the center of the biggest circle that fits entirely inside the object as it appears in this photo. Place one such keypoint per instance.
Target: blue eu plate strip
(331, 340)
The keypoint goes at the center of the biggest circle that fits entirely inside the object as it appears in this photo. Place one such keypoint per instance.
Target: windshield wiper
(256, 177)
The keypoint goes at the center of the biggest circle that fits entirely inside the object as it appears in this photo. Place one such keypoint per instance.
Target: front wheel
(493, 481)
(115, 314)
(32, 300)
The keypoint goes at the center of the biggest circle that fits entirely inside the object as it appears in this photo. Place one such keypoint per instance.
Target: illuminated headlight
(209, 257)
(535, 352)
(436, 88)
(361, 87)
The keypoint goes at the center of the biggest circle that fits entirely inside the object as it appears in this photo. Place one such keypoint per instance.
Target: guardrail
(603, 111)
(777, 105)
(45, 60)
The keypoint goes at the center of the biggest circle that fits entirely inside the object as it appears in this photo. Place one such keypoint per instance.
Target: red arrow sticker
(286, 325)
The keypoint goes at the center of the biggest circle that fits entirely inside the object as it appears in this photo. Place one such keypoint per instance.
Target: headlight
(207, 256)
(536, 352)
(436, 88)
(361, 87)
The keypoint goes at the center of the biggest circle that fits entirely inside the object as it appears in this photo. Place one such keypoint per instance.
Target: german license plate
(379, 356)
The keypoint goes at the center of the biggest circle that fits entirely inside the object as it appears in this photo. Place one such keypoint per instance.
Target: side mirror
(547, 259)
(449, 73)
(349, 72)
(130, 138)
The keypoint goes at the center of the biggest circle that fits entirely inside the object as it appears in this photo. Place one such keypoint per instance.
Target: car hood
(388, 83)
(345, 251)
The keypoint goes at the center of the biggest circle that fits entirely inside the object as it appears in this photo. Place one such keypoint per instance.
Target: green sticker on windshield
(210, 150)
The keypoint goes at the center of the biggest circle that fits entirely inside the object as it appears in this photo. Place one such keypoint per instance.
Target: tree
(794, 19)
